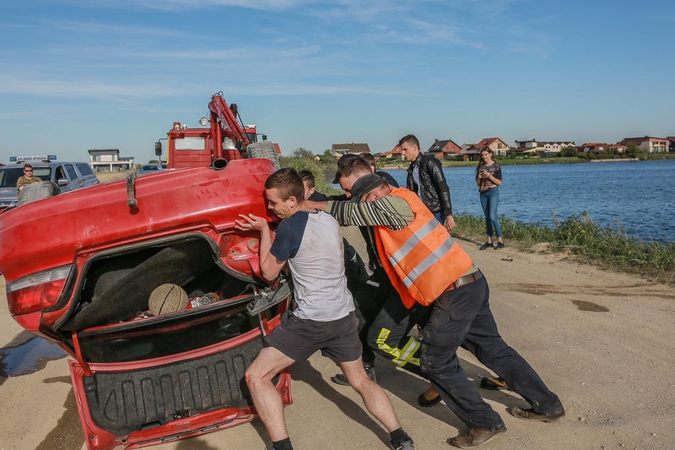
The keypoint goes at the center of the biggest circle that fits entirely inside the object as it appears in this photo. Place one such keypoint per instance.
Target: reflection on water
(28, 357)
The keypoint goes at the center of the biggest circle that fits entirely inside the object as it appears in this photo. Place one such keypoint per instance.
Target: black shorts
(300, 338)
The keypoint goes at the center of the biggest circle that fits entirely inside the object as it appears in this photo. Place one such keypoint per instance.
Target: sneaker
(486, 245)
(341, 379)
(408, 444)
(475, 437)
(493, 384)
(424, 403)
(529, 414)
(500, 245)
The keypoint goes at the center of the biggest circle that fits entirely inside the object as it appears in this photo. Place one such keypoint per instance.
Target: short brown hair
(409, 138)
(370, 159)
(288, 183)
(352, 166)
(307, 176)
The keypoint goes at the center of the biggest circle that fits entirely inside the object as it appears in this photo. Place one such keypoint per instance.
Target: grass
(585, 241)
(107, 177)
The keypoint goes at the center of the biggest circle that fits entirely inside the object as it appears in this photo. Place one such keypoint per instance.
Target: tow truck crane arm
(225, 115)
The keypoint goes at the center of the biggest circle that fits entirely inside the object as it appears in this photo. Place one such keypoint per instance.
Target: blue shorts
(301, 338)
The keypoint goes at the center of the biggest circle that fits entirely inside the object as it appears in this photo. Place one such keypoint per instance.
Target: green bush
(609, 248)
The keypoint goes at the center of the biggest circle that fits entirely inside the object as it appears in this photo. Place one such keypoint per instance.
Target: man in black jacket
(425, 177)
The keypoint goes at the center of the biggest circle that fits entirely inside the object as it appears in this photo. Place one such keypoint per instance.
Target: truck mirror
(158, 148)
(264, 137)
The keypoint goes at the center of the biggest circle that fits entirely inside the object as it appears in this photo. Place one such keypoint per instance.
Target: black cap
(340, 161)
(364, 185)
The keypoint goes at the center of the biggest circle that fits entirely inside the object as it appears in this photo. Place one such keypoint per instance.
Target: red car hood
(50, 232)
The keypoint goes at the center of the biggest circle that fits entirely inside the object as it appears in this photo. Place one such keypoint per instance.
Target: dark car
(150, 168)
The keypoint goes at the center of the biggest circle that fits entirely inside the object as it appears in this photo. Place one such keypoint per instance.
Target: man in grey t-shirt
(309, 242)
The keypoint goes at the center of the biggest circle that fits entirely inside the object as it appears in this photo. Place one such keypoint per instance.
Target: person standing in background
(488, 179)
(27, 178)
(425, 177)
(310, 186)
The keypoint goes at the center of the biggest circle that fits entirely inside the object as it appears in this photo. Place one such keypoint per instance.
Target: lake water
(640, 196)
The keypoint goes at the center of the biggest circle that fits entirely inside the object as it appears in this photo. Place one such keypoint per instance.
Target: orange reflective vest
(422, 260)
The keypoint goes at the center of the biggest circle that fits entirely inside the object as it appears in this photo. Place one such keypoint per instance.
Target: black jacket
(435, 191)
(387, 177)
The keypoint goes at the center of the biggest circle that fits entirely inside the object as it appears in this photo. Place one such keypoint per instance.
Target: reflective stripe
(410, 245)
(409, 350)
(412, 241)
(399, 357)
(428, 262)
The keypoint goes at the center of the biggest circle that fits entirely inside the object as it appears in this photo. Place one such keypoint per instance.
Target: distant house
(617, 148)
(444, 148)
(554, 147)
(648, 144)
(593, 147)
(530, 147)
(394, 153)
(470, 152)
(342, 149)
(671, 139)
(497, 145)
(109, 160)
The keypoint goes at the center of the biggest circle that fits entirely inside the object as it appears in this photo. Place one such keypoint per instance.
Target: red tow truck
(82, 270)
(226, 139)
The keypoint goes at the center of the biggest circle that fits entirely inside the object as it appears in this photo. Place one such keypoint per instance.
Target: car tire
(37, 191)
(264, 149)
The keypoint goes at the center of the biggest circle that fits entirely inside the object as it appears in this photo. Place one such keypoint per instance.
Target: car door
(60, 177)
(73, 177)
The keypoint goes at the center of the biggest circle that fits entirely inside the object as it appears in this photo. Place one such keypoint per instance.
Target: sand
(602, 341)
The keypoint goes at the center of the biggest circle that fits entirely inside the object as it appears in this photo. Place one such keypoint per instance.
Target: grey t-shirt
(312, 245)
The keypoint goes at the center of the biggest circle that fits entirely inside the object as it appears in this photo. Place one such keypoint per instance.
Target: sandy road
(603, 342)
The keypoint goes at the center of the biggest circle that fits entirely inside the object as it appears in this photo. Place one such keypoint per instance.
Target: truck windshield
(190, 143)
(9, 176)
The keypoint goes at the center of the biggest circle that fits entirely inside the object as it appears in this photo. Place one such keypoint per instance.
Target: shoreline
(403, 165)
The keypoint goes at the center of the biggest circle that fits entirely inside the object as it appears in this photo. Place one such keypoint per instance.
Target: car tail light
(37, 291)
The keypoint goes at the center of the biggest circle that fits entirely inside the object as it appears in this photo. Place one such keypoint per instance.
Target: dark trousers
(384, 323)
(368, 300)
(462, 316)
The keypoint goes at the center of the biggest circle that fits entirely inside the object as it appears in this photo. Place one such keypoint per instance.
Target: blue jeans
(462, 317)
(489, 200)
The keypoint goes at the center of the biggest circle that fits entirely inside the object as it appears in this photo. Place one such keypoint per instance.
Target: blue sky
(84, 74)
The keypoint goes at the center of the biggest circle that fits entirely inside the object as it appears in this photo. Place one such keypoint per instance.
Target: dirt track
(603, 342)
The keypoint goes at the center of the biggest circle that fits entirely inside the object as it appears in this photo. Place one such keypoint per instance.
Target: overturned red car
(86, 269)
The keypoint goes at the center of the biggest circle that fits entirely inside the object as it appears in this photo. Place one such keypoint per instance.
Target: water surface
(636, 195)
